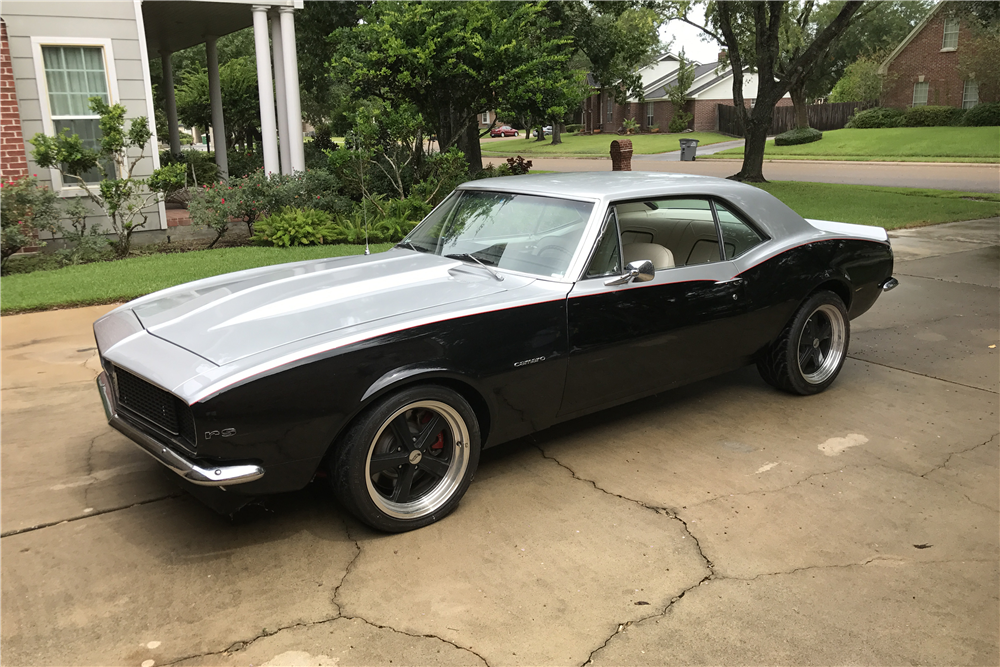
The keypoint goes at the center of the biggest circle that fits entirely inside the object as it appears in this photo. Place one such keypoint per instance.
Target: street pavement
(720, 523)
(965, 177)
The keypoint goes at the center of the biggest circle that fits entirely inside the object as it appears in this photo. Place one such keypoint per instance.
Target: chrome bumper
(183, 466)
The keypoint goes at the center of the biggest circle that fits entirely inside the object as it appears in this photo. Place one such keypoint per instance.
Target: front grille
(154, 404)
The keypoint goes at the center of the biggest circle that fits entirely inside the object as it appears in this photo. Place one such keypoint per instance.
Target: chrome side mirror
(639, 272)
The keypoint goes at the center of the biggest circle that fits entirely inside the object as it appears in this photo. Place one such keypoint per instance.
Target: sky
(687, 36)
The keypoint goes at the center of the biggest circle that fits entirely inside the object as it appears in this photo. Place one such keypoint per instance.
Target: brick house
(923, 69)
(14, 162)
(709, 89)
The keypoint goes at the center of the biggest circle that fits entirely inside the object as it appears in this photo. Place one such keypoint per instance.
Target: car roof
(768, 212)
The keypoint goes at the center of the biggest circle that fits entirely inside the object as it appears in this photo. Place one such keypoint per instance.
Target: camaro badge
(518, 364)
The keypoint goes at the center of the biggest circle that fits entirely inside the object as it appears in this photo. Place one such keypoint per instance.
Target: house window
(970, 94)
(920, 94)
(486, 118)
(950, 33)
(74, 74)
(650, 119)
(611, 110)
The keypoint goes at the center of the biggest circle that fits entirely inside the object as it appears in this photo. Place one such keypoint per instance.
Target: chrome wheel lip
(837, 350)
(447, 486)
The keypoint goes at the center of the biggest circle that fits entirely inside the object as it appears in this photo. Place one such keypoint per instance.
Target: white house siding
(69, 20)
(724, 89)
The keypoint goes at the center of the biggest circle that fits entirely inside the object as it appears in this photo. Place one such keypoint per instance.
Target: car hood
(228, 318)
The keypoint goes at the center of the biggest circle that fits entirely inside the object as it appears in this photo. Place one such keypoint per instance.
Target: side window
(669, 232)
(737, 236)
(607, 257)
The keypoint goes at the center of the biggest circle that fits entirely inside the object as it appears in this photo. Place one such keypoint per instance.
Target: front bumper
(192, 471)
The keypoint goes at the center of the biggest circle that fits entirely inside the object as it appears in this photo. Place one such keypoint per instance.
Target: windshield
(527, 233)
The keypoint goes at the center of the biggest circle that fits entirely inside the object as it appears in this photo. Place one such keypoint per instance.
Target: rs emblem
(225, 433)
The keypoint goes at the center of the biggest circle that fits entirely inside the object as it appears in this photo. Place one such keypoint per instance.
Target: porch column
(284, 150)
(268, 130)
(215, 96)
(290, 62)
(168, 93)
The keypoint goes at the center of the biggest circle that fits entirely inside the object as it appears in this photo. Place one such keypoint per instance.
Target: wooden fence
(821, 116)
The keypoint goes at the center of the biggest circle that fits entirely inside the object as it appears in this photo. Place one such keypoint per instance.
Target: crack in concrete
(924, 375)
(417, 636)
(49, 524)
(347, 570)
(963, 451)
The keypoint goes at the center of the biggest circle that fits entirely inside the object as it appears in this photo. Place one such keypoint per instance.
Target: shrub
(801, 135)
(244, 162)
(680, 121)
(518, 165)
(986, 114)
(929, 116)
(575, 127)
(81, 244)
(630, 125)
(25, 209)
(294, 226)
(210, 208)
(875, 117)
(201, 167)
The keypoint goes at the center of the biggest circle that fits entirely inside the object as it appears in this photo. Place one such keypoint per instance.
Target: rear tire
(407, 461)
(807, 356)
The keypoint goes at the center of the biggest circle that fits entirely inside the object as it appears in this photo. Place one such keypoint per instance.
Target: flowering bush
(25, 209)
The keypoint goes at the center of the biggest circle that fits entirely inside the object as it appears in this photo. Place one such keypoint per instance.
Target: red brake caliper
(439, 443)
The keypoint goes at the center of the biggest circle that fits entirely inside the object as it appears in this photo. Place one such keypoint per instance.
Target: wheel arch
(838, 286)
(399, 379)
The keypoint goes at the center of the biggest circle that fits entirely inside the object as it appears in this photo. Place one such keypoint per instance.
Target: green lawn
(905, 144)
(108, 282)
(595, 144)
(891, 208)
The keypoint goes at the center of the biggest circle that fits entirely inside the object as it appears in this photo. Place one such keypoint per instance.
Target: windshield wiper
(467, 255)
(409, 244)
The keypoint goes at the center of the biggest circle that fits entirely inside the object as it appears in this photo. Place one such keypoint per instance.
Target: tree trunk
(468, 142)
(798, 94)
(556, 132)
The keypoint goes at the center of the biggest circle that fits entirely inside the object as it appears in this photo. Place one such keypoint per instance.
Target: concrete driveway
(721, 523)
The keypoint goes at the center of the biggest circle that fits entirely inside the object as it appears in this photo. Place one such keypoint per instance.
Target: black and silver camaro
(517, 303)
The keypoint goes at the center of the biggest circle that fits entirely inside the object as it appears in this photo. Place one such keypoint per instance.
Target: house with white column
(63, 52)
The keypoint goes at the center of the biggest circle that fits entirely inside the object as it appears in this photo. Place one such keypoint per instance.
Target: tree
(451, 61)
(238, 81)
(980, 52)
(751, 33)
(122, 197)
(677, 93)
(861, 82)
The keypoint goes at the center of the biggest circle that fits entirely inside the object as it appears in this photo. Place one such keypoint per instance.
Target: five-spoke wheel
(407, 461)
(809, 353)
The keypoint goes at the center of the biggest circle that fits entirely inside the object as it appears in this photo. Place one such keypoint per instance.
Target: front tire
(408, 460)
(807, 356)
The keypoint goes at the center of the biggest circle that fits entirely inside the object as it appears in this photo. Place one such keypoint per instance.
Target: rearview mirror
(640, 272)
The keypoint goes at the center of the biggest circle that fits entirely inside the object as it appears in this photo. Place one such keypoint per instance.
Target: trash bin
(689, 148)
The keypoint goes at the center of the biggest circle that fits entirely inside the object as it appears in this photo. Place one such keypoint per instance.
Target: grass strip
(891, 208)
(904, 144)
(596, 144)
(110, 282)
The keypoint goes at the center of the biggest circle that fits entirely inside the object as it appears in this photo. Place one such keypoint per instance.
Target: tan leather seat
(703, 252)
(657, 254)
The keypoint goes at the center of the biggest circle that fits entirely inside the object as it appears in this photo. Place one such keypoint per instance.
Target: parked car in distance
(504, 131)
(518, 303)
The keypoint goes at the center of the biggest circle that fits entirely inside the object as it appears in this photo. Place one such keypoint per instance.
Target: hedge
(802, 135)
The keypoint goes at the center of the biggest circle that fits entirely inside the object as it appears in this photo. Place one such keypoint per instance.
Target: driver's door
(641, 337)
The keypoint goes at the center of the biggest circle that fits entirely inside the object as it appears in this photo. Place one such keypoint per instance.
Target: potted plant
(654, 128)
(630, 125)
(597, 130)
